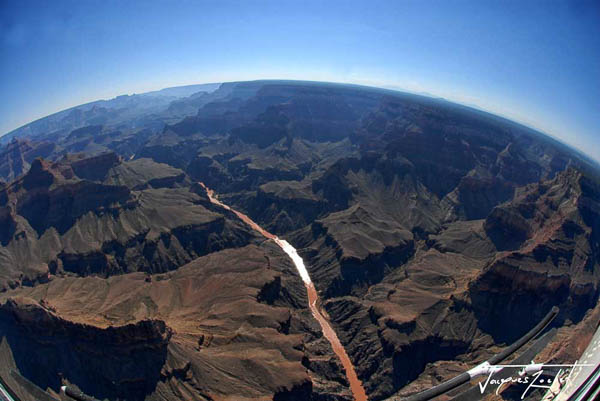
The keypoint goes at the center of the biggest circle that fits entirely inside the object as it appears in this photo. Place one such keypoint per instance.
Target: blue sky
(537, 62)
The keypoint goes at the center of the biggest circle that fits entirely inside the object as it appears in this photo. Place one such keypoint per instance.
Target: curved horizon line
(390, 88)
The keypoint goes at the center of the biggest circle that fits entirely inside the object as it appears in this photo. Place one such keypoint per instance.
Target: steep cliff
(435, 234)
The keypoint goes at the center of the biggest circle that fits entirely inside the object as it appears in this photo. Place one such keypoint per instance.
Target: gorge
(313, 299)
(362, 239)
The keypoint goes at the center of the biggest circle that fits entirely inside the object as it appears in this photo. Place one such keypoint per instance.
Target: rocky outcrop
(140, 174)
(367, 245)
(435, 233)
(17, 155)
(507, 229)
(475, 197)
(92, 228)
(468, 287)
(282, 206)
(90, 130)
(122, 361)
(95, 168)
(232, 324)
(46, 198)
(12, 160)
(8, 225)
(554, 226)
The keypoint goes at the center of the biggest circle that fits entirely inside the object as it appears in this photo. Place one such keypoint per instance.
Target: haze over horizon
(535, 63)
(250, 226)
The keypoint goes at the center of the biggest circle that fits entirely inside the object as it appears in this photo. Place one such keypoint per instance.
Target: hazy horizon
(400, 90)
(532, 62)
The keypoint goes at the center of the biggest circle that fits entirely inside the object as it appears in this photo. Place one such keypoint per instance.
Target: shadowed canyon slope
(435, 235)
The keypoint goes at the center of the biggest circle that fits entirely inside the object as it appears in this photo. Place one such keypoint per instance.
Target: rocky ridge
(435, 234)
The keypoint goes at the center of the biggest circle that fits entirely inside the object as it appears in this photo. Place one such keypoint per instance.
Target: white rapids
(328, 332)
(293, 254)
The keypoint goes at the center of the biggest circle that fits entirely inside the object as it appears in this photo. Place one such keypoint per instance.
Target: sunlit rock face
(434, 234)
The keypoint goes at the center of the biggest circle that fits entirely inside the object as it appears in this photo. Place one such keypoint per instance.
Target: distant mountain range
(435, 234)
(120, 109)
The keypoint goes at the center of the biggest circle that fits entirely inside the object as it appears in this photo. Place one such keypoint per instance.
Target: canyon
(362, 238)
(355, 384)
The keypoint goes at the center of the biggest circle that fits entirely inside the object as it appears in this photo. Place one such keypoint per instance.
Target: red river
(355, 384)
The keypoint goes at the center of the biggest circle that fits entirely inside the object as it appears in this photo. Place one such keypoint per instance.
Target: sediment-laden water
(355, 384)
